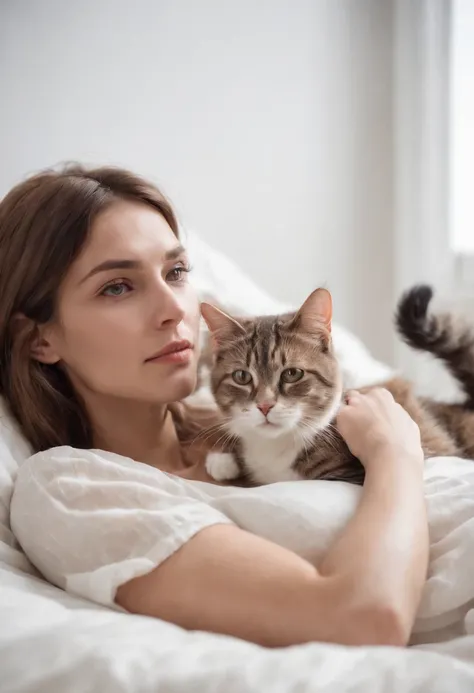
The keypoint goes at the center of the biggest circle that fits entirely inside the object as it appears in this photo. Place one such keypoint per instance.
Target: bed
(52, 641)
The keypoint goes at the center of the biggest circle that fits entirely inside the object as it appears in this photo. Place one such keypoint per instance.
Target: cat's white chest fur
(271, 459)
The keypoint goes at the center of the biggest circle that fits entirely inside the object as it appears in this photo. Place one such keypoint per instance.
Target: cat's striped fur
(293, 435)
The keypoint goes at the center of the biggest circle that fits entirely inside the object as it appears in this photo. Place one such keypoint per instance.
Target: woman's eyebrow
(175, 252)
(108, 265)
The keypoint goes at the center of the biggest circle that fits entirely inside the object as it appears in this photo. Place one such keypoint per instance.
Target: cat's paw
(222, 466)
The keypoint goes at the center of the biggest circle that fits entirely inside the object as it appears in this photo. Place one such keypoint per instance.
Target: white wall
(269, 124)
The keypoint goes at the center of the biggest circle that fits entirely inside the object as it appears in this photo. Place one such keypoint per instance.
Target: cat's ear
(221, 326)
(316, 311)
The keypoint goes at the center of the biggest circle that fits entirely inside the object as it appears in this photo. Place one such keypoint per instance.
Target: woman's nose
(168, 308)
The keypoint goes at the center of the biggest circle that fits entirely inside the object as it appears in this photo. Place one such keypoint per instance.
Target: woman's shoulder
(130, 516)
(75, 479)
(85, 464)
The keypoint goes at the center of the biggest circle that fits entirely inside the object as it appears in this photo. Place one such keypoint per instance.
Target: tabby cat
(278, 385)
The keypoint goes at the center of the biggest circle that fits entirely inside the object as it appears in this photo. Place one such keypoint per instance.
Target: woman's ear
(41, 348)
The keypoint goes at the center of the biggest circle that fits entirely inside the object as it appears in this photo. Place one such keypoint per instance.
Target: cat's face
(276, 374)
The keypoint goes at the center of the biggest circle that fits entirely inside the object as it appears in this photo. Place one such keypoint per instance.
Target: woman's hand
(375, 427)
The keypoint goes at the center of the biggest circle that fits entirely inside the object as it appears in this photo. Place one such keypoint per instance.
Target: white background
(269, 123)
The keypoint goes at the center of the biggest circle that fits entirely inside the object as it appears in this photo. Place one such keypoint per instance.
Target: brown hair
(44, 224)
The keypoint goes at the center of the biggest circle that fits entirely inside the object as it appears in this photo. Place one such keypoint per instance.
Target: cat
(278, 386)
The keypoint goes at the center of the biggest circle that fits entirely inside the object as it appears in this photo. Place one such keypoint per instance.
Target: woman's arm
(367, 588)
(392, 512)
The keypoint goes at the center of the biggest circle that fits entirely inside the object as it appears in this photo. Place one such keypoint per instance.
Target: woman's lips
(175, 352)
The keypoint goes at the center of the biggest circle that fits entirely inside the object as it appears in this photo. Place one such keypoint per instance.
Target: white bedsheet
(51, 641)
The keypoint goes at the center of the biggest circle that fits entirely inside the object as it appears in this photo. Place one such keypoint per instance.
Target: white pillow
(13, 451)
(216, 278)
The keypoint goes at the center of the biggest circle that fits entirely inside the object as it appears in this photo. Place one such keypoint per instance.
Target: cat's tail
(444, 335)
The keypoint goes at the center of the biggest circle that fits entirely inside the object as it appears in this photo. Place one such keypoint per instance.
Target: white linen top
(91, 520)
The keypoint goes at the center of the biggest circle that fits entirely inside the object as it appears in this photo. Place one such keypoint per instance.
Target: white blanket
(51, 641)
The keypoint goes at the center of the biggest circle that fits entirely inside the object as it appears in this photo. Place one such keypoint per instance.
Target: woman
(98, 336)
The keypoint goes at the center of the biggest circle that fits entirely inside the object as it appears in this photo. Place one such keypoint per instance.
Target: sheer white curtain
(462, 127)
(422, 242)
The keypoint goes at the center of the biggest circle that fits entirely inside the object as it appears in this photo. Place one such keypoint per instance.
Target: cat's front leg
(222, 466)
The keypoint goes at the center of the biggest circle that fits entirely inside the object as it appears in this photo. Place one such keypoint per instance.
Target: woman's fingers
(374, 422)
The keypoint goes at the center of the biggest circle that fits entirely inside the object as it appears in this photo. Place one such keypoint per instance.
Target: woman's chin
(178, 386)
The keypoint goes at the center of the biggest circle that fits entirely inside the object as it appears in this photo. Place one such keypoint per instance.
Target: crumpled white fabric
(91, 520)
(52, 641)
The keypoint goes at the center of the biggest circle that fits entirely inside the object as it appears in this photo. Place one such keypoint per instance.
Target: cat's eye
(291, 375)
(241, 377)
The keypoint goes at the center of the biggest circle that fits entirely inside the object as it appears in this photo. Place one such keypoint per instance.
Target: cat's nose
(265, 407)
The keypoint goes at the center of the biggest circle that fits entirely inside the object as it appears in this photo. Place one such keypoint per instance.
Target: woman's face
(124, 301)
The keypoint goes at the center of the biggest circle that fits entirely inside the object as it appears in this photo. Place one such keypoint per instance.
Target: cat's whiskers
(310, 435)
(334, 433)
(330, 438)
(312, 425)
(209, 431)
(323, 433)
(301, 436)
(226, 437)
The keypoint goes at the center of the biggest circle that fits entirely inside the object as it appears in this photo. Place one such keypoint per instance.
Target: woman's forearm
(383, 550)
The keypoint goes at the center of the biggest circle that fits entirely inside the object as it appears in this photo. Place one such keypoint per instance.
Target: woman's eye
(116, 289)
(241, 377)
(177, 273)
(291, 375)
